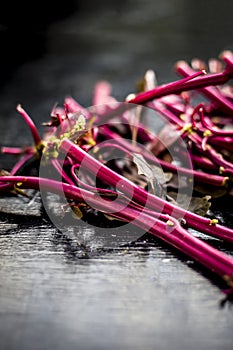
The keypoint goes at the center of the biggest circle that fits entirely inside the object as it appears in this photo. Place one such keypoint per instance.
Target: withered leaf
(197, 205)
(154, 174)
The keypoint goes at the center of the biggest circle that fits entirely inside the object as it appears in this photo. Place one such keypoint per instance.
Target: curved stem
(31, 125)
(141, 196)
(174, 234)
(125, 146)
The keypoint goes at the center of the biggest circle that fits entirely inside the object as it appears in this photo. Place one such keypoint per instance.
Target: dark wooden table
(57, 294)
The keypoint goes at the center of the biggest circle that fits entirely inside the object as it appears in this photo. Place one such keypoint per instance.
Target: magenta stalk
(141, 196)
(210, 91)
(31, 125)
(183, 85)
(170, 231)
(209, 151)
(15, 151)
(124, 145)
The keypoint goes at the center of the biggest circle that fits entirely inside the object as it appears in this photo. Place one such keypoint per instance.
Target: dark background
(147, 297)
(50, 49)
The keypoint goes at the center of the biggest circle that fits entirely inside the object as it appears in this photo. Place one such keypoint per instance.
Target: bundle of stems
(76, 136)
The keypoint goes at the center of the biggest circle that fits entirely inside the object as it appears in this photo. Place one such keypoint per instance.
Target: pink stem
(214, 180)
(15, 169)
(12, 150)
(141, 196)
(31, 125)
(203, 162)
(174, 234)
(60, 171)
(210, 91)
(214, 130)
(182, 85)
